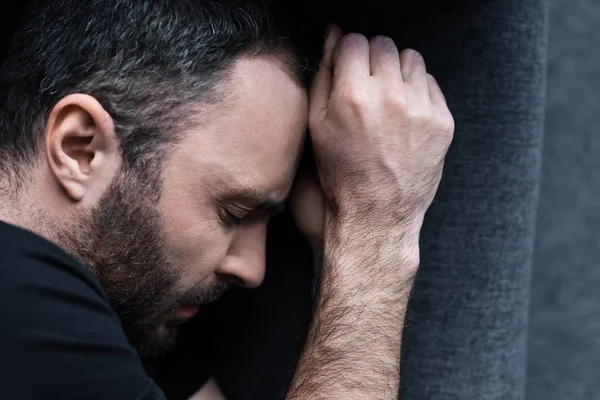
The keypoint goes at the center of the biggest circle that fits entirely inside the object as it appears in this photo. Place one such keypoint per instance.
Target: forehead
(254, 138)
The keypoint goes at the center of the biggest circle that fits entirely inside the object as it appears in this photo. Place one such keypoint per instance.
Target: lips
(186, 312)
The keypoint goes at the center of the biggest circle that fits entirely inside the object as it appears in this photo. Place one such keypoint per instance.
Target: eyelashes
(232, 219)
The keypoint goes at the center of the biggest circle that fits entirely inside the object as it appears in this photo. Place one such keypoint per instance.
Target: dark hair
(145, 61)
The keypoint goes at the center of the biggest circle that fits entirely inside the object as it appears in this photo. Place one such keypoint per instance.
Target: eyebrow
(271, 206)
(261, 201)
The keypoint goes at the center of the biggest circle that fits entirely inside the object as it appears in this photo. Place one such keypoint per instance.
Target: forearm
(353, 348)
(380, 128)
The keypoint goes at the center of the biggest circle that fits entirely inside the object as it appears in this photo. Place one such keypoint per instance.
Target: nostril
(234, 280)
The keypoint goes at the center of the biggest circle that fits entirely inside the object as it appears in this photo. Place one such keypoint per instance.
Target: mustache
(205, 295)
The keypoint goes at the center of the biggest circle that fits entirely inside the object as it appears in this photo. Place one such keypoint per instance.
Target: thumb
(306, 202)
(321, 85)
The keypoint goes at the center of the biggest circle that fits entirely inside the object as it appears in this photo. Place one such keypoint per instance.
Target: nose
(244, 264)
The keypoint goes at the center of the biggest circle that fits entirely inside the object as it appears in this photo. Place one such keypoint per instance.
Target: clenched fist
(380, 130)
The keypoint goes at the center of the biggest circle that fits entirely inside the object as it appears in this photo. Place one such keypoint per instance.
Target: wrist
(380, 258)
(400, 231)
(381, 214)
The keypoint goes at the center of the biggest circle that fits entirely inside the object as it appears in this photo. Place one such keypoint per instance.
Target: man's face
(163, 248)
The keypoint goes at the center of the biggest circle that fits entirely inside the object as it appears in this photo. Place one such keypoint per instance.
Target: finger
(384, 58)
(414, 72)
(351, 58)
(321, 85)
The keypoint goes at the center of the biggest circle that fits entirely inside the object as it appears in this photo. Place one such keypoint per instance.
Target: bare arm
(353, 348)
(380, 129)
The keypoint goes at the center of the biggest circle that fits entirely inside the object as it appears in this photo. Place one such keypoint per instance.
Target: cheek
(196, 242)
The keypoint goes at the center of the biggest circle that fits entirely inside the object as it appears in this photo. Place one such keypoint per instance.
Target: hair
(146, 61)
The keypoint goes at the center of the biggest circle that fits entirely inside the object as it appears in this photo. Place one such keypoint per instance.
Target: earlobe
(81, 146)
(74, 189)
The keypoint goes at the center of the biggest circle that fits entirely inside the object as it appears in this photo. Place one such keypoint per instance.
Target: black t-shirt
(59, 337)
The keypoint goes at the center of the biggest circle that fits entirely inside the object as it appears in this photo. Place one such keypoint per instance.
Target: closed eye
(232, 219)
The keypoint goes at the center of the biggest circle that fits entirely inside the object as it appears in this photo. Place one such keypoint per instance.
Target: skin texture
(380, 130)
(168, 239)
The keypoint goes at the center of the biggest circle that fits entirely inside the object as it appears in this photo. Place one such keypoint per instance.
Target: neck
(31, 205)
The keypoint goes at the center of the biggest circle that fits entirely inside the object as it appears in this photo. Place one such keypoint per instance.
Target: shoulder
(40, 283)
(27, 259)
(59, 334)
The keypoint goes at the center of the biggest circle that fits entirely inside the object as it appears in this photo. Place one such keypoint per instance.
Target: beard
(122, 243)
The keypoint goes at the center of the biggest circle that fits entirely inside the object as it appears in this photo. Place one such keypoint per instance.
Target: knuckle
(356, 97)
(394, 99)
(419, 115)
(431, 80)
(413, 115)
(412, 55)
(383, 42)
(354, 39)
(450, 125)
(413, 60)
(445, 124)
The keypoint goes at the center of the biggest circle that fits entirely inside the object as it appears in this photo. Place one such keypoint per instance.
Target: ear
(81, 146)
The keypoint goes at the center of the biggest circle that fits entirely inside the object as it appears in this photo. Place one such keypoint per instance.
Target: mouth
(186, 312)
(191, 304)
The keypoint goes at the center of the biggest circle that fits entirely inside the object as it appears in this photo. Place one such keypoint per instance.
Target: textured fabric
(467, 324)
(564, 343)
